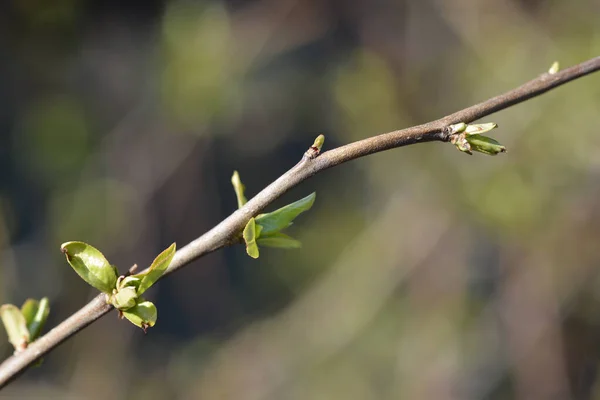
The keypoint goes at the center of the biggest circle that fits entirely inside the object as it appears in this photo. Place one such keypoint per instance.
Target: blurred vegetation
(424, 273)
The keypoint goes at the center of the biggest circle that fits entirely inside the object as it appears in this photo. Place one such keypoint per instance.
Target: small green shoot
(250, 234)
(239, 189)
(23, 326)
(265, 229)
(469, 138)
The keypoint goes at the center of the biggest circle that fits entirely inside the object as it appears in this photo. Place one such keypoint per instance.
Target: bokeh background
(424, 273)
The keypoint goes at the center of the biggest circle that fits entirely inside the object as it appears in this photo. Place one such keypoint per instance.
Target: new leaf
(15, 325)
(277, 220)
(91, 265)
(279, 240)
(158, 267)
(251, 232)
(143, 314)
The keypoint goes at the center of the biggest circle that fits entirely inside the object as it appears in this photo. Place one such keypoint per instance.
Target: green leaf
(250, 234)
(132, 281)
(282, 218)
(484, 144)
(158, 267)
(91, 265)
(143, 314)
(279, 240)
(36, 323)
(239, 189)
(478, 129)
(16, 326)
(124, 298)
(29, 309)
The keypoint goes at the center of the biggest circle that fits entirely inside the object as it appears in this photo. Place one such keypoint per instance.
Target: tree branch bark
(223, 233)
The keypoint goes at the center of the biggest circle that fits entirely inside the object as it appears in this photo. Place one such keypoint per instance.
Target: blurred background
(424, 273)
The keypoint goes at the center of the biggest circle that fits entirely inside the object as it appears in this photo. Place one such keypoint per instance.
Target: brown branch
(222, 234)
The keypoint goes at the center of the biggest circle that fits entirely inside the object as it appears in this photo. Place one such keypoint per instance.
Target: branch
(312, 163)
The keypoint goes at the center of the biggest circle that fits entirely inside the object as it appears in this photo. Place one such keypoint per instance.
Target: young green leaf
(29, 310)
(279, 240)
(143, 314)
(91, 265)
(250, 234)
(16, 326)
(484, 144)
(282, 218)
(239, 188)
(35, 324)
(125, 281)
(158, 267)
(478, 129)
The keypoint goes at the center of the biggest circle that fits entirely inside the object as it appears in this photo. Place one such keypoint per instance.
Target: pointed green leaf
(478, 129)
(282, 218)
(37, 323)
(143, 314)
(250, 234)
(91, 265)
(158, 267)
(124, 298)
(239, 189)
(29, 309)
(133, 281)
(279, 240)
(486, 145)
(15, 325)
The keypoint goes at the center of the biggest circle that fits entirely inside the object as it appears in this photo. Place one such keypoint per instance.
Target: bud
(457, 128)
(485, 145)
(478, 129)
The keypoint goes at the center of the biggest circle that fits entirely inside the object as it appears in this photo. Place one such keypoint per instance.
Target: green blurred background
(425, 273)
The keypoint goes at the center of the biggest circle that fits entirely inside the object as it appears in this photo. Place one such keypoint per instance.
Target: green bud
(143, 314)
(16, 326)
(250, 234)
(457, 128)
(554, 68)
(125, 281)
(239, 189)
(478, 129)
(461, 143)
(318, 143)
(124, 298)
(484, 144)
(35, 313)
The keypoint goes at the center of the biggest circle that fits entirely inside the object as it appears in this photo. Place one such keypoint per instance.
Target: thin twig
(223, 234)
